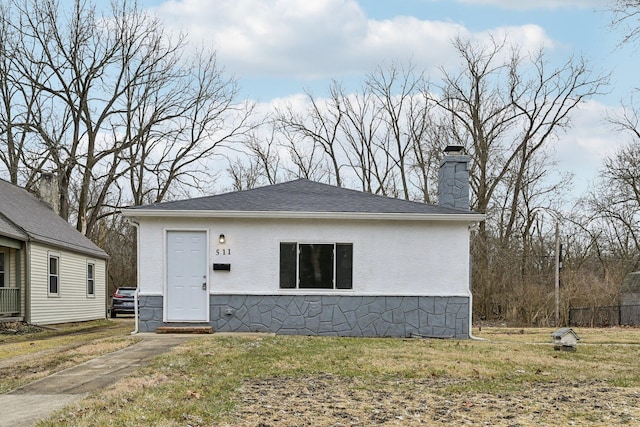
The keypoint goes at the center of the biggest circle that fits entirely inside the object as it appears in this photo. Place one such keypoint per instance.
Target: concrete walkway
(35, 401)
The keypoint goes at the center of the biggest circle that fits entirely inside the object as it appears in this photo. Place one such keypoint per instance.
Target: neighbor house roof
(631, 282)
(25, 217)
(8, 229)
(301, 198)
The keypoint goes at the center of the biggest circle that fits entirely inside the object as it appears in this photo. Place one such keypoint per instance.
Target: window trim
(4, 282)
(5, 270)
(91, 279)
(56, 256)
(335, 287)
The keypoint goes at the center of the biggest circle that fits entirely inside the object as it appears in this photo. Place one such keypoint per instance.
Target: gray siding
(359, 316)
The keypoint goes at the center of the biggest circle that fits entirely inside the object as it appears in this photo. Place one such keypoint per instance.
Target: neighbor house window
(91, 281)
(54, 274)
(2, 270)
(316, 265)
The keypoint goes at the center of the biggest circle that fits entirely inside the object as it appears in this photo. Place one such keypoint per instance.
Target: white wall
(72, 303)
(389, 257)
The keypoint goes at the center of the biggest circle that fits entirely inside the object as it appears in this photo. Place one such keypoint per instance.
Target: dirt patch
(18, 328)
(328, 400)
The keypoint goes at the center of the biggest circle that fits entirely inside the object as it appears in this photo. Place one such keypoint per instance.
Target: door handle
(204, 286)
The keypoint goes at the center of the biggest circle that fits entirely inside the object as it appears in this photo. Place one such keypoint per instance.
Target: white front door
(187, 296)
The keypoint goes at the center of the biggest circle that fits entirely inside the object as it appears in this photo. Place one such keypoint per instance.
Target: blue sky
(280, 48)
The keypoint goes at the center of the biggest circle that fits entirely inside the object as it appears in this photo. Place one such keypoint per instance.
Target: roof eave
(95, 253)
(15, 236)
(150, 213)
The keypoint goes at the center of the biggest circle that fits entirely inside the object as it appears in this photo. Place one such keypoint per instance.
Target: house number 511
(223, 251)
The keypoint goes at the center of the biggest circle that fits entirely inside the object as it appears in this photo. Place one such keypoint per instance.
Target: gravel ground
(18, 328)
(332, 401)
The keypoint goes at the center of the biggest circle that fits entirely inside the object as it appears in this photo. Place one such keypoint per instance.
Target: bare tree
(262, 165)
(395, 90)
(428, 140)
(179, 122)
(361, 126)
(615, 206)
(243, 176)
(505, 107)
(626, 16)
(18, 105)
(306, 158)
(376, 136)
(319, 126)
(104, 97)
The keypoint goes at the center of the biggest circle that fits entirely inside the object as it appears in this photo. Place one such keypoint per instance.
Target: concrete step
(184, 330)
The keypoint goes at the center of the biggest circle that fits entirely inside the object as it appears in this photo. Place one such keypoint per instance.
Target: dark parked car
(122, 301)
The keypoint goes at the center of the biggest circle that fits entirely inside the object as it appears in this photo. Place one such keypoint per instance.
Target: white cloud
(274, 36)
(584, 147)
(539, 4)
(320, 38)
(335, 39)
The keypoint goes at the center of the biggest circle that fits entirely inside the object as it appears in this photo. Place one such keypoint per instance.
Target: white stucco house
(49, 272)
(302, 257)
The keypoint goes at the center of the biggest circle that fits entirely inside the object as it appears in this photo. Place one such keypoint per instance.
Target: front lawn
(28, 352)
(515, 378)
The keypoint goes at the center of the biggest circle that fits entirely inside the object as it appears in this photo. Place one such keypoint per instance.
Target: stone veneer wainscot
(331, 315)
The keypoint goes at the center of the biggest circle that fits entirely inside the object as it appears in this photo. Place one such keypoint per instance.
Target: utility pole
(557, 281)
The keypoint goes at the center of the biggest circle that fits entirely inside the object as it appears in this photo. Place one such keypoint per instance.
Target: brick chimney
(48, 190)
(453, 178)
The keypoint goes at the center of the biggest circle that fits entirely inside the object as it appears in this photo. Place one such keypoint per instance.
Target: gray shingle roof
(301, 195)
(23, 216)
(8, 229)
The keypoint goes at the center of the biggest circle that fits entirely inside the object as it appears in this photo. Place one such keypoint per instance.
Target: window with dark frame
(91, 289)
(2, 270)
(316, 266)
(54, 274)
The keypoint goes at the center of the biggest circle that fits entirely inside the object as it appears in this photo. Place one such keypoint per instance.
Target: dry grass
(514, 378)
(326, 400)
(30, 356)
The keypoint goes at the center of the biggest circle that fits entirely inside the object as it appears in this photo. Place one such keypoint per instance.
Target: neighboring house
(629, 311)
(630, 289)
(49, 272)
(308, 258)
